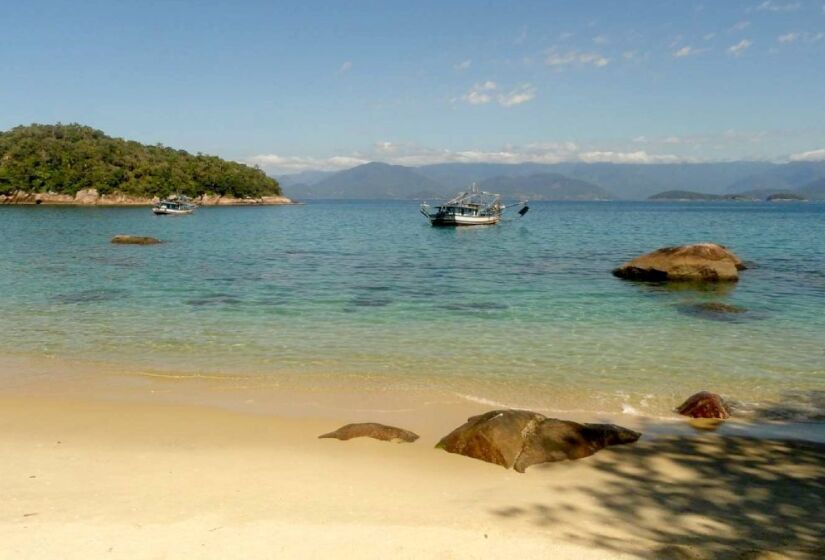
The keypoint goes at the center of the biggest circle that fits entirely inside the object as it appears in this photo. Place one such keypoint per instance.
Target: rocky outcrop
(135, 240)
(703, 262)
(705, 405)
(91, 197)
(520, 438)
(372, 430)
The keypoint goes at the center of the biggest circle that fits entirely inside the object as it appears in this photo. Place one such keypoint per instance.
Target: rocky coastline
(91, 197)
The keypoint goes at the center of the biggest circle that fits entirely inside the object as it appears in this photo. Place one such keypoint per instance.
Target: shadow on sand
(689, 498)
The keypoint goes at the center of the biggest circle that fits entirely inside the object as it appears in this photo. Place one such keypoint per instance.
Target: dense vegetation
(67, 158)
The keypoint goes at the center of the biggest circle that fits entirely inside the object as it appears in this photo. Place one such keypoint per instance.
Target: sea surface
(342, 293)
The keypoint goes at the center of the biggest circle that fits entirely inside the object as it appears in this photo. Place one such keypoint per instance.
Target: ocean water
(343, 293)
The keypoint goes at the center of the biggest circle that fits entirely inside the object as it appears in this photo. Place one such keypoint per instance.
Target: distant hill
(750, 179)
(633, 181)
(373, 180)
(814, 190)
(65, 159)
(545, 186)
(691, 195)
(303, 179)
(787, 177)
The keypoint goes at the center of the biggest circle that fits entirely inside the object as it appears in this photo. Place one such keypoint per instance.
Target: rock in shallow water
(704, 405)
(519, 438)
(715, 311)
(135, 240)
(702, 262)
(372, 430)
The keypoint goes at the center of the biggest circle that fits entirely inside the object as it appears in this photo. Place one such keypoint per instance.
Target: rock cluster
(91, 197)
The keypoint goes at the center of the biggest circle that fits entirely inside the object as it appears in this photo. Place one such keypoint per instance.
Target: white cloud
(629, 55)
(772, 6)
(601, 39)
(411, 155)
(487, 92)
(687, 51)
(480, 94)
(520, 94)
(295, 164)
(740, 26)
(739, 48)
(345, 67)
(558, 59)
(813, 155)
(709, 36)
(806, 37)
(463, 65)
(640, 156)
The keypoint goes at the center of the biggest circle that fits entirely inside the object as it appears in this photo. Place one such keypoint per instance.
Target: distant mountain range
(561, 181)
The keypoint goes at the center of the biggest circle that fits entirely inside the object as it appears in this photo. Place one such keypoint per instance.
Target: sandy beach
(92, 479)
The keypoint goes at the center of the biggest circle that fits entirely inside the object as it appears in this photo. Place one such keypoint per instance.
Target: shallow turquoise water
(339, 292)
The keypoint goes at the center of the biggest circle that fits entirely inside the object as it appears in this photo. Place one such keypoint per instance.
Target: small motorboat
(174, 206)
(472, 208)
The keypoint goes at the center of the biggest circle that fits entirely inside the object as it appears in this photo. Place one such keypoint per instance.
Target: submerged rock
(519, 438)
(372, 430)
(704, 405)
(135, 240)
(717, 307)
(703, 262)
(713, 310)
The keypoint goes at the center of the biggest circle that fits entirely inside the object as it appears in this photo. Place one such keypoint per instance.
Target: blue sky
(326, 85)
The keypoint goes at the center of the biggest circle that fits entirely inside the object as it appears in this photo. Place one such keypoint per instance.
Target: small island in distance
(76, 164)
(689, 196)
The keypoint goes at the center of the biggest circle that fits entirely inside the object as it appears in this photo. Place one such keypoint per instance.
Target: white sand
(85, 479)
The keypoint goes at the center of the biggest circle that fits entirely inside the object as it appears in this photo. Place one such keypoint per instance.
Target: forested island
(64, 163)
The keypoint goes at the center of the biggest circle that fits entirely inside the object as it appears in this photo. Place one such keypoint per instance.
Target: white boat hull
(170, 212)
(458, 220)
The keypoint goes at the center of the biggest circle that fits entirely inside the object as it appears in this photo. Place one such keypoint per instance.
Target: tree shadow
(797, 406)
(689, 498)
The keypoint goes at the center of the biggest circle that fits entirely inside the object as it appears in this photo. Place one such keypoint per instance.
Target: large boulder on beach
(135, 240)
(705, 404)
(703, 262)
(372, 430)
(520, 438)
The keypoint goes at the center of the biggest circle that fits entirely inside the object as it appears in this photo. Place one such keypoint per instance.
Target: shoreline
(91, 197)
(92, 477)
(341, 397)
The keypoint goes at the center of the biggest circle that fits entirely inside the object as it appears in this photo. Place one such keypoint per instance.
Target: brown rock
(704, 405)
(520, 438)
(135, 240)
(705, 262)
(372, 430)
(87, 196)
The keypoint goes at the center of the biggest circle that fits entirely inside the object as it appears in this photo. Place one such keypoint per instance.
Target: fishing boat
(471, 208)
(174, 206)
